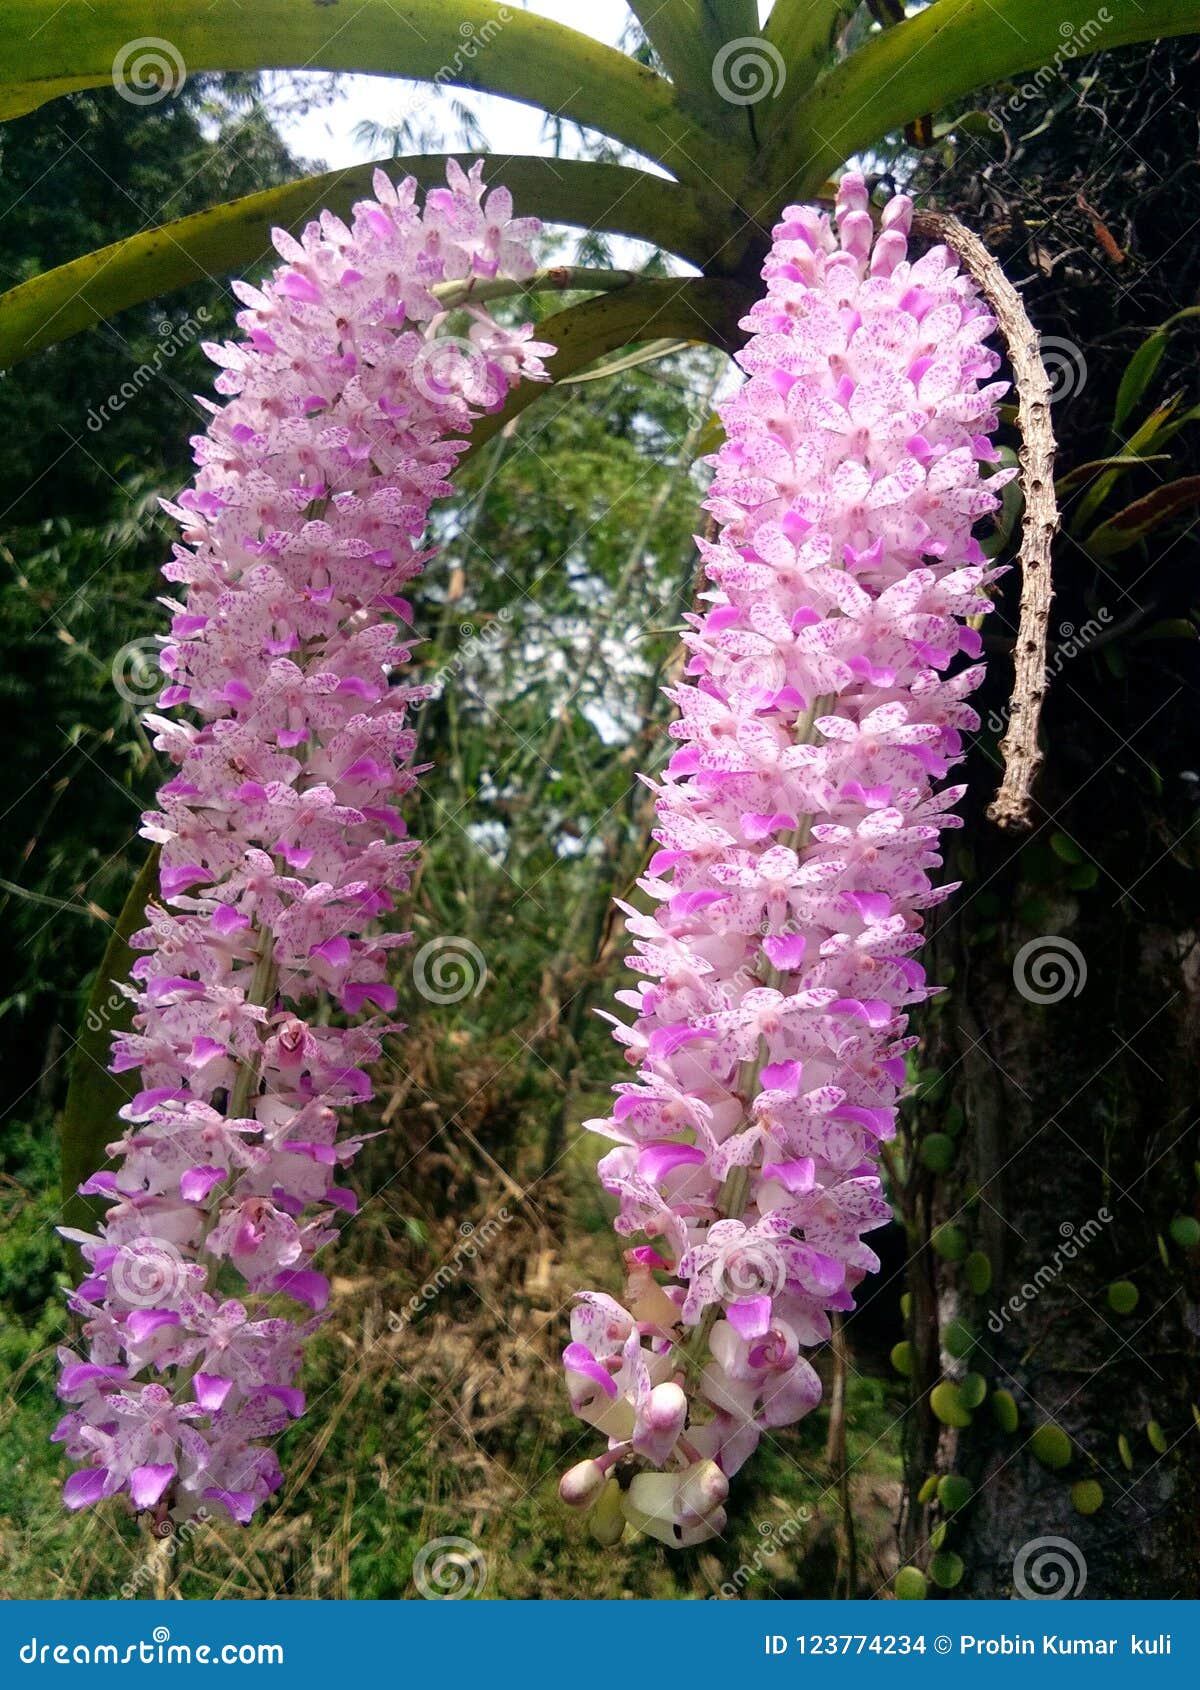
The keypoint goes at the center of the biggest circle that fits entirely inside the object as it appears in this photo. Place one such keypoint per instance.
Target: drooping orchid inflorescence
(282, 845)
(797, 827)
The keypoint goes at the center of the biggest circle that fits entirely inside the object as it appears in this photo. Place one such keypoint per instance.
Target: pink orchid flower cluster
(281, 843)
(797, 827)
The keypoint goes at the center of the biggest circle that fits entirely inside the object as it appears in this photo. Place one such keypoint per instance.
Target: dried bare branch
(1011, 806)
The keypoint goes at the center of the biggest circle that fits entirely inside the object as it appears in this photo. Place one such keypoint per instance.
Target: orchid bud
(581, 1485)
(659, 1422)
(607, 1519)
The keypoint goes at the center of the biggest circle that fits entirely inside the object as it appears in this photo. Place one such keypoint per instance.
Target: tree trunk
(1076, 1158)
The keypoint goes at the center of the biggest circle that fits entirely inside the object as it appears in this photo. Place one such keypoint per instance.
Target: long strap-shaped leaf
(89, 1120)
(803, 30)
(926, 63)
(48, 48)
(688, 36)
(232, 238)
(693, 308)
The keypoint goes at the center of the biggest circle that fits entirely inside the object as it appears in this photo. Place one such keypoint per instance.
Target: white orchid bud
(582, 1484)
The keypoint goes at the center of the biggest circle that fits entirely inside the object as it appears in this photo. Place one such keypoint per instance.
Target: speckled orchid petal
(797, 823)
(286, 716)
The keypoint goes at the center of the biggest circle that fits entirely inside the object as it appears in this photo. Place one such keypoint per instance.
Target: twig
(1011, 806)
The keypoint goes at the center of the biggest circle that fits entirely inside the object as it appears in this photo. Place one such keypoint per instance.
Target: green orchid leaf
(1155, 431)
(927, 63)
(1139, 373)
(89, 1119)
(648, 354)
(708, 47)
(48, 49)
(696, 309)
(1083, 473)
(232, 239)
(1144, 516)
(805, 31)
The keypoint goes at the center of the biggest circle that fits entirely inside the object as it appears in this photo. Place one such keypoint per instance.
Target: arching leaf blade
(232, 238)
(694, 309)
(926, 63)
(48, 49)
(688, 36)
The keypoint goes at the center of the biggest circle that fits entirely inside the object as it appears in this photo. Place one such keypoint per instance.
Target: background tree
(1053, 1145)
